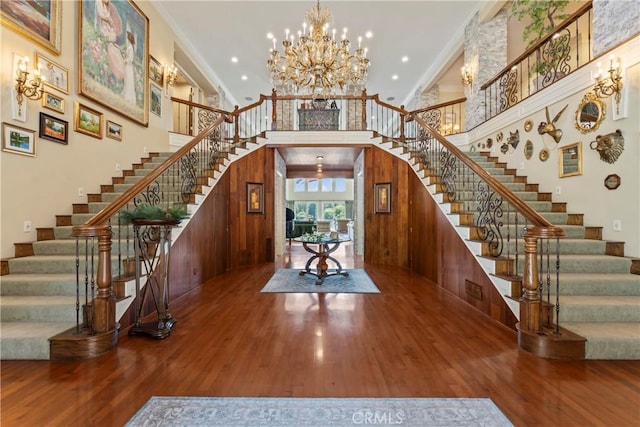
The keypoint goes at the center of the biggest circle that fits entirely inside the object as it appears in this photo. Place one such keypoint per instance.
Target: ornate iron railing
(554, 57)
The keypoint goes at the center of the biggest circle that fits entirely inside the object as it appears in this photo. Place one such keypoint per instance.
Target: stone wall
(614, 21)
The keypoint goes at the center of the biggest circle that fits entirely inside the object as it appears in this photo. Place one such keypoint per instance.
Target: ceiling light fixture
(317, 63)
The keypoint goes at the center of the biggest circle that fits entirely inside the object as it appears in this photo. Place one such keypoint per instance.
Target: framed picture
(156, 99)
(54, 129)
(38, 21)
(255, 197)
(114, 130)
(18, 140)
(382, 198)
(113, 57)
(87, 120)
(156, 71)
(53, 102)
(55, 76)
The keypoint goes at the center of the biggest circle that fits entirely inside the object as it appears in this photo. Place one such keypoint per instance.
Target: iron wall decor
(609, 146)
(113, 57)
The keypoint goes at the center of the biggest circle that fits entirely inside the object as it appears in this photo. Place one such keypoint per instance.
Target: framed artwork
(255, 197)
(38, 21)
(382, 198)
(113, 57)
(18, 140)
(114, 130)
(87, 120)
(54, 75)
(155, 95)
(53, 102)
(54, 129)
(156, 71)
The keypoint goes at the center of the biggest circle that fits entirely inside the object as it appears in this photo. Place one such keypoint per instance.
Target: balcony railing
(554, 57)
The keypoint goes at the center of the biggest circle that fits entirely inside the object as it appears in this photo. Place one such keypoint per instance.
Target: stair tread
(39, 300)
(20, 330)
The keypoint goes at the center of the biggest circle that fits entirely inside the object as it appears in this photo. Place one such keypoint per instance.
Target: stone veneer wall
(285, 111)
(485, 51)
(354, 114)
(429, 97)
(614, 21)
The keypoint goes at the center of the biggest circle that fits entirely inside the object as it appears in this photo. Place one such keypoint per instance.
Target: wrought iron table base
(322, 255)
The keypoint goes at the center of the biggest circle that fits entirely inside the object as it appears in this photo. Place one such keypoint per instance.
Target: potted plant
(148, 214)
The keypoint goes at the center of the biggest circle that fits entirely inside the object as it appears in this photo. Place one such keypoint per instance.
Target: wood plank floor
(412, 340)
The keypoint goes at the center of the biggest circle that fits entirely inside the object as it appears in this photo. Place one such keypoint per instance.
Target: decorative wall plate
(499, 137)
(489, 142)
(528, 125)
(544, 155)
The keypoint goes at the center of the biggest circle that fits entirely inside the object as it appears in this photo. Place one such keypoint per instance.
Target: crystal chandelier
(317, 63)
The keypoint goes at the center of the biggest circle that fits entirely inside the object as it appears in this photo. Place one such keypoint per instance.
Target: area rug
(290, 280)
(317, 412)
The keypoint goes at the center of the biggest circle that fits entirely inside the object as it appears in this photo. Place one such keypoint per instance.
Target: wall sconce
(172, 74)
(607, 86)
(467, 76)
(32, 89)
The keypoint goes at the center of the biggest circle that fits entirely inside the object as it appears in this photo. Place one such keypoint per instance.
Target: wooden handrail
(540, 43)
(194, 104)
(531, 215)
(438, 106)
(108, 212)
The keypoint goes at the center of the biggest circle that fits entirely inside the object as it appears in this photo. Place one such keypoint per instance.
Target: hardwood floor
(412, 340)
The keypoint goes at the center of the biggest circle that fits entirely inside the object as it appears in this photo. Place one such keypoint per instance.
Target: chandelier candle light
(317, 63)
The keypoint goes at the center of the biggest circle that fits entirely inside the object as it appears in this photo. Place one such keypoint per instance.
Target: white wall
(585, 193)
(319, 195)
(34, 188)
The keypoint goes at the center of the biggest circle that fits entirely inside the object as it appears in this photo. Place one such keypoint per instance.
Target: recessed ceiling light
(368, 34)
(391, 98)
(248, 98)
(269, 36)
(244, 77)
(234, 59)
(405, 59)
(394, 77)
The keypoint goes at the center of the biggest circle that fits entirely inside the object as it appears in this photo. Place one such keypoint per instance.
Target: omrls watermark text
(368, 417)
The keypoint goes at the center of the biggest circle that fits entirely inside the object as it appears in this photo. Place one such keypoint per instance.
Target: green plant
(153, 212)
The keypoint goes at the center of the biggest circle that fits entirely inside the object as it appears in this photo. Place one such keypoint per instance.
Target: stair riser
(41, 288)
(24, 348)
(45, 266)
(598, 313)
(61, 247)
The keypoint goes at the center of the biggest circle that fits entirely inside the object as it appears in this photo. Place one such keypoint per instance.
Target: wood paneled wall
(438, 253)
(386, 238)
(251, 235)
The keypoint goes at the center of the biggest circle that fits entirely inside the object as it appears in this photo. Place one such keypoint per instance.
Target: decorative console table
(318, 119)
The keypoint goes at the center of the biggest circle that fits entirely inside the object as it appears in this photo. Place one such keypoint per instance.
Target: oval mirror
(528, 149)
(590, 113)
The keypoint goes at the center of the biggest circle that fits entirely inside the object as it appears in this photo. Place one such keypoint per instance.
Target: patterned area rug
(318, 412)
(290, 280)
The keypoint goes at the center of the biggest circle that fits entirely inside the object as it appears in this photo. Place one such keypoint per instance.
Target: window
(340, 185)
(312, 185)
(327, 185)
(305, 210)
(299, 185)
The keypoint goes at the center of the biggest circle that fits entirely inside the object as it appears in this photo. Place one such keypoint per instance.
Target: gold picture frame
(18, 140)
(54, 75)
(87, 120)
(382, 199)
(113, 130)
(41, 25)
(113, 57)
(255, 197)
(156, 71)
(570, 160)
(53, 102)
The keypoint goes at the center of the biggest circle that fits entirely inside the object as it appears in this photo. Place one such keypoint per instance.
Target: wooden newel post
(236, 127)
(104, 309)
(402, 125)
(530, 300)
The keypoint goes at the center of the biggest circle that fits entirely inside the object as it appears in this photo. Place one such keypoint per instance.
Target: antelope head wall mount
(549, 127)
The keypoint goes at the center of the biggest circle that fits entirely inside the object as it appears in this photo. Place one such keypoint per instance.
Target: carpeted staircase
(38, 296)
(599, 297)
